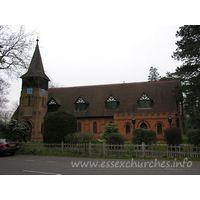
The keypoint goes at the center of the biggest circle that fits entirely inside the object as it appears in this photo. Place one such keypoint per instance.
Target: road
(57, 165)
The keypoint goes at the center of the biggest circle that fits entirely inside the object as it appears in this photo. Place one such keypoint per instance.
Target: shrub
(58, 125)
(81, 138)
(115, 138)
(69, 139)
(194, 136)
(109, 129)
(173, 136)
(144, 135)
(17, 130)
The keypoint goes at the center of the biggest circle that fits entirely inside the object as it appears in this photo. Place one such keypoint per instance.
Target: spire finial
(37, 37)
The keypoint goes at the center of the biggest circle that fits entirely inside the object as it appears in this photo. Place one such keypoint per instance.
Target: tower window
(29, 100)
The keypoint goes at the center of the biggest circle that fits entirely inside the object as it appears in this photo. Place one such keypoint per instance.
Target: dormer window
(52, 102)
(111, 103)
(144, 101)
(80, 104)
(53, 105)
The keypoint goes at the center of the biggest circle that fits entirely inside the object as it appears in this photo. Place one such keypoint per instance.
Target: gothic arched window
(128, 129)
(79, 127)
(159, 129)
(94, 127)
(143, 125)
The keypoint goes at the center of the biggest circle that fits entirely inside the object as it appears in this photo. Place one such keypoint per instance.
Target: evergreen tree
(168, 76)
(58, 125)
(153, 74)
(188, 51)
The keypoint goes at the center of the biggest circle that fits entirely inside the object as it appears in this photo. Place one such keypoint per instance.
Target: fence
(141, 150)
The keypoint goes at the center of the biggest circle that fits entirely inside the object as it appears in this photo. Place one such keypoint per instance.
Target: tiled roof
(160, 92)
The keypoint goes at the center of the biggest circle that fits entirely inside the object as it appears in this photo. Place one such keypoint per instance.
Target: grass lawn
(184, 139)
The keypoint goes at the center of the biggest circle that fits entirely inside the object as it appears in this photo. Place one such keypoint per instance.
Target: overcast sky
(106, 53)
(102, 42)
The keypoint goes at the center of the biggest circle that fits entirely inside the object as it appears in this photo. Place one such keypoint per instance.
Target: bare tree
(15, 46)
(54, 84)
(4, 86)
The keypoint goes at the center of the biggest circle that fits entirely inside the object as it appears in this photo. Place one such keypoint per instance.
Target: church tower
(34, 96)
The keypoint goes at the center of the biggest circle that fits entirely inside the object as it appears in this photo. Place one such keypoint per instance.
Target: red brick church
(150, 105)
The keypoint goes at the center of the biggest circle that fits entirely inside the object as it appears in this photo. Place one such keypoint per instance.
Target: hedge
(58, 125)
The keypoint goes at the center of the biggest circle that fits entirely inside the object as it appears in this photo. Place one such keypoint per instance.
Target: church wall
(151, 121)
(87, 124)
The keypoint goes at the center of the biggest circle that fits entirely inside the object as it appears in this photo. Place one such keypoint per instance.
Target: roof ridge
(129, 83)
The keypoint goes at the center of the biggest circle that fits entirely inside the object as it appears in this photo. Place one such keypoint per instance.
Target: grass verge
(79, 154)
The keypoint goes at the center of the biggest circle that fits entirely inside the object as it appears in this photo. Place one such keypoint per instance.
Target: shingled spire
(35, 77)
(36, 67)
